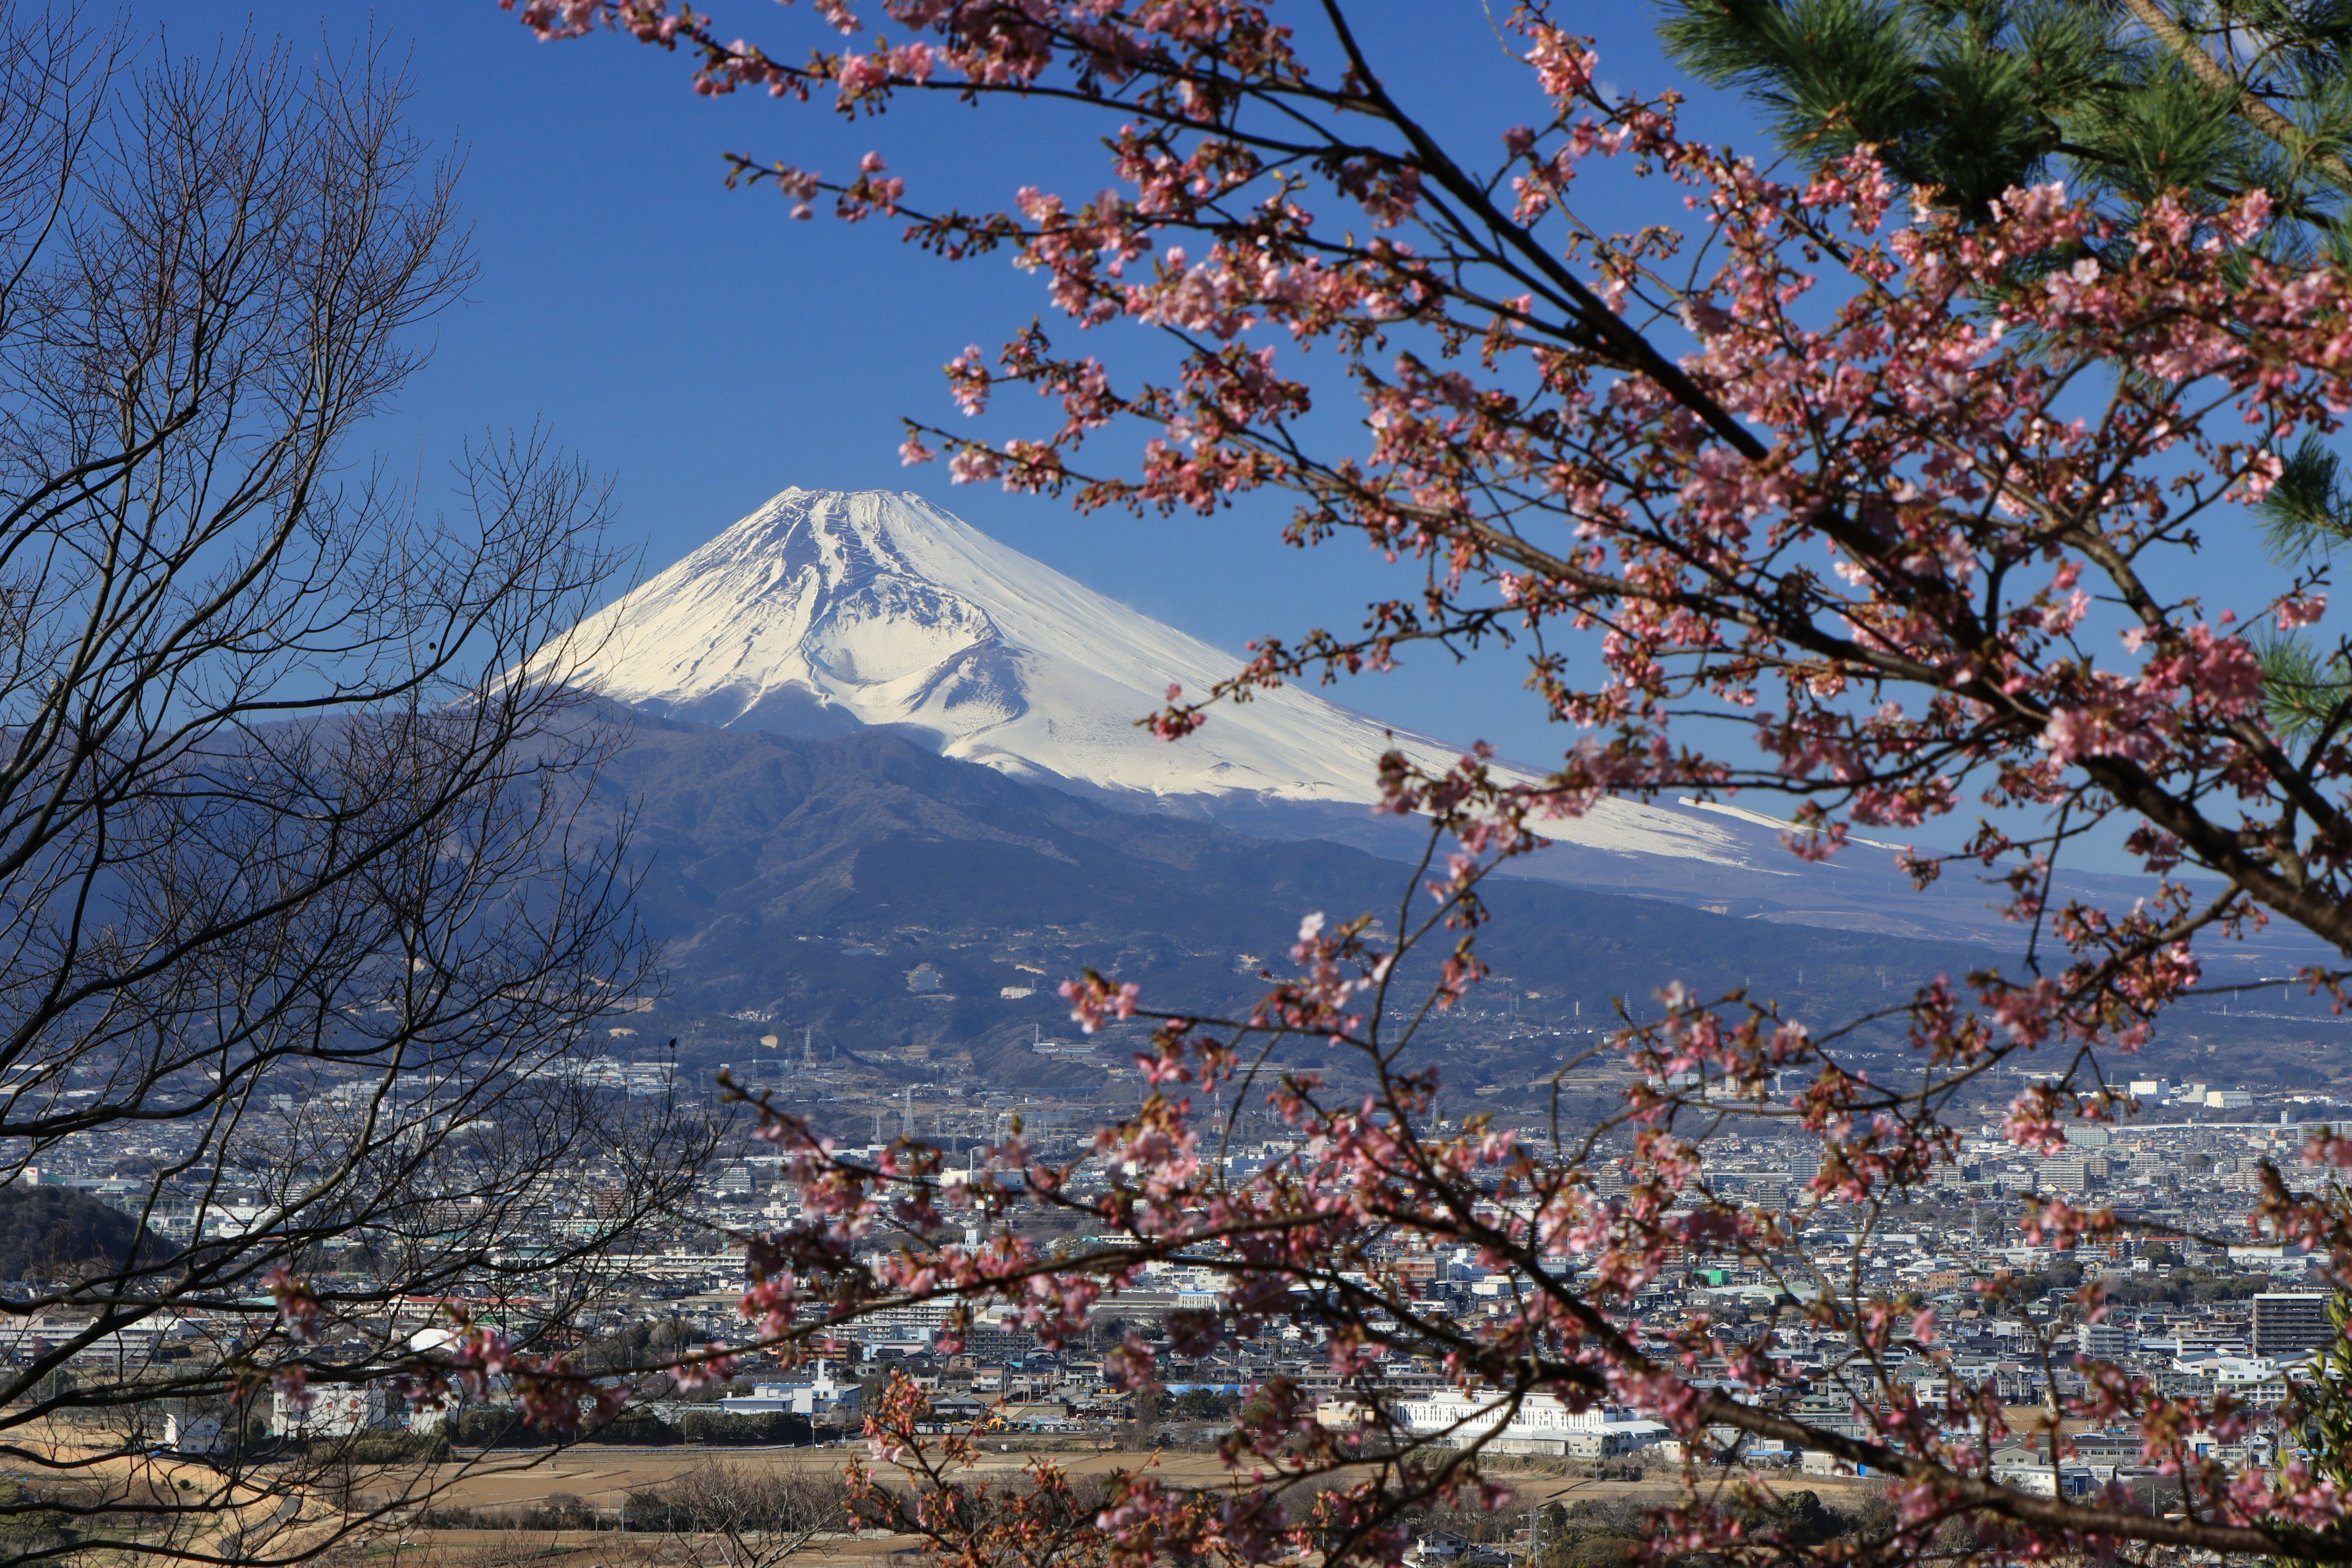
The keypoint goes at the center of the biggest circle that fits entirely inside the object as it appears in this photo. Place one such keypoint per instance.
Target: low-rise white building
(821, 1395)
(195, 1435)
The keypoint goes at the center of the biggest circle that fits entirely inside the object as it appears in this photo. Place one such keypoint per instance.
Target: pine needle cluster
(2126, 97)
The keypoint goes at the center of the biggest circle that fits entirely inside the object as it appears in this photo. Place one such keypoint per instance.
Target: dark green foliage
(48, 1231)
(1975, 96)
(2308, 513)
(2303, 688)
(1956, 107)
(2065, 1274)
(1972, 97)
(2184, 1288)
(26, 1525)
(716, 1429)
(495, 1427)
(1605, 1532)
(1201, 1405)
(636, 1429)
(2159, 129)
(491, 1427)
(2325, 1393)
(560, 1511)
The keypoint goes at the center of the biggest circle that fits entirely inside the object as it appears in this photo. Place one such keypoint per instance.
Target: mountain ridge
(766, 859)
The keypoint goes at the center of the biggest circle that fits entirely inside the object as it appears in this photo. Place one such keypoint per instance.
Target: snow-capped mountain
(824, 611)
(827, 609)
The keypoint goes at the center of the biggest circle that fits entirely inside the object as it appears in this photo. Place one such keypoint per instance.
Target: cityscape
(1208, 783)
(2194, 1317)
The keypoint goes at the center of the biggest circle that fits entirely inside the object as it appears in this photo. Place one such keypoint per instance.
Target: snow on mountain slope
(825, 609)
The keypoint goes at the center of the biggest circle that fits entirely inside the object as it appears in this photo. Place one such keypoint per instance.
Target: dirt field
(507, 1485)
(603, 1478)
(582, 1548)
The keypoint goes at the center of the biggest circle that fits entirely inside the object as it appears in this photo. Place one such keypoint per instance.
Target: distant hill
(867, 887)
(48, 1231)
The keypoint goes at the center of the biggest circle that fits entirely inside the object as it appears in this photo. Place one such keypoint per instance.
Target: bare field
(580, 1548)
(603, 1478)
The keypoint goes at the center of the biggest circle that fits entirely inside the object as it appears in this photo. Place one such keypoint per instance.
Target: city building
(2107, 1341)
(329, 1412)
(2289, 1321)
(1539, 1424)
(2062, 1174)
(821, 1395)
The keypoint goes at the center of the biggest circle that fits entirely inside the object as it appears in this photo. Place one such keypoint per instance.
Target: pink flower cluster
(1900, 497)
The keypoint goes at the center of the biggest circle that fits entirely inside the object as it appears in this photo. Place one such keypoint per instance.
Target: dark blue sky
(706, 350)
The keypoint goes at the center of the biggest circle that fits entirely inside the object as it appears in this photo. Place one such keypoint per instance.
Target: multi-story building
(2289, 1321)
(2107, 1341)
(2063, 1174)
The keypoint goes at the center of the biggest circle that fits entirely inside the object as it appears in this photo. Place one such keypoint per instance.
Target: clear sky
(706, 350)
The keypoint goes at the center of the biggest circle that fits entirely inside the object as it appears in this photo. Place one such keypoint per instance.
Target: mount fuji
(826, 611)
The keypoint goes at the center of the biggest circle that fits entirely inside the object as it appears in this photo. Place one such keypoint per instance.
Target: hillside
(883, 895)
(48, 1231)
